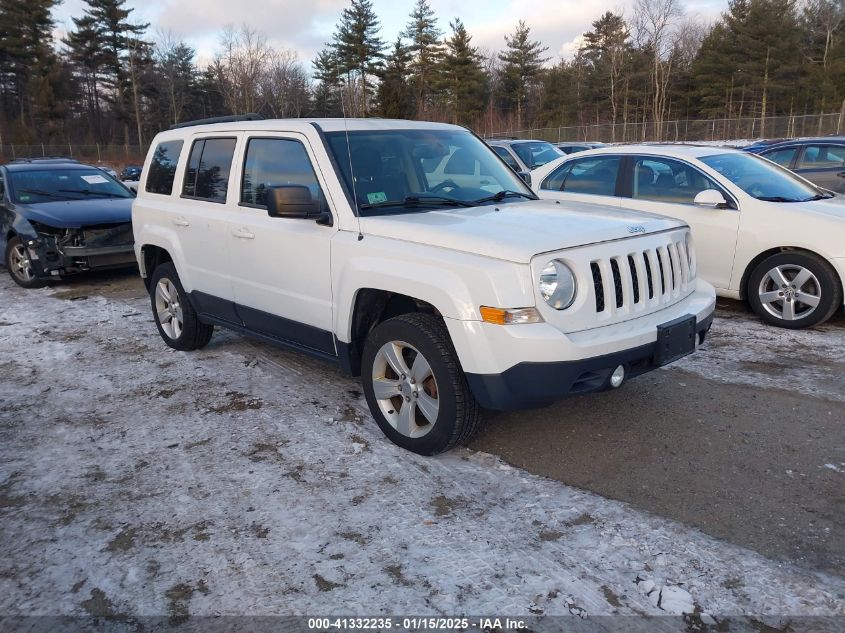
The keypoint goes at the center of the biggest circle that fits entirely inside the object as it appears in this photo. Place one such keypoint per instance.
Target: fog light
(617, 376)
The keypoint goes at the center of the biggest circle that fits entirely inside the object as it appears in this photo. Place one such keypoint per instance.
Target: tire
(812, 299)
(19, 267)
(439, 379)
(177, 321)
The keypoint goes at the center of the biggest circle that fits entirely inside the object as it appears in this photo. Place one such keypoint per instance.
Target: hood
(516, 231)
(70, 214)
(829, 207)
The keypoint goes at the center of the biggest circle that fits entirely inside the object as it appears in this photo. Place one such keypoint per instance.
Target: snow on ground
(805, 361)
(242, 479)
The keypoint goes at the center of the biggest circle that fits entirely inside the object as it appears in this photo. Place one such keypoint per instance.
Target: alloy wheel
(790, 292)
(21, 265)
(405, 389)
(168, 308)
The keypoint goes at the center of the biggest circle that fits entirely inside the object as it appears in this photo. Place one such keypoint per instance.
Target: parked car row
(416, 256)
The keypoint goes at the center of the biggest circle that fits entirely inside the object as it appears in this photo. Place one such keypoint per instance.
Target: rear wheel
(415, 387)
(20, 266)
(176, 320)
(794, 290)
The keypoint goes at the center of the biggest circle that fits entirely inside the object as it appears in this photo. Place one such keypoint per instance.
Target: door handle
(244, 234)
(841, 174)
(181, 222)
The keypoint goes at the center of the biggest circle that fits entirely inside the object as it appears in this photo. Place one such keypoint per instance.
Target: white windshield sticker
(95, 179)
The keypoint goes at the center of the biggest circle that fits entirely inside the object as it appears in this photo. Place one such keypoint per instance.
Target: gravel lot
(242, 479)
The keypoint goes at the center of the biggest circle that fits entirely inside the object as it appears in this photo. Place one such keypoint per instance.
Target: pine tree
(395, 95)
(358, 48)
(522, 61)
(175, 80)
(114, 42)
(465, 85)
(326, 95)
(426, 53)
(605, 49)
(748, 64)
(26, 54)
(84, 54)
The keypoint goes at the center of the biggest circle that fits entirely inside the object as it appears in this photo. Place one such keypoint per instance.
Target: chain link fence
(690, 130)
(97, 153)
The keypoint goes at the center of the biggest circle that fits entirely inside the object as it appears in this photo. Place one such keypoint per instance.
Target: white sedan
(761, 232)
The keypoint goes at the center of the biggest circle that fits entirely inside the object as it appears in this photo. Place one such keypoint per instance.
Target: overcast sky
(306, 26)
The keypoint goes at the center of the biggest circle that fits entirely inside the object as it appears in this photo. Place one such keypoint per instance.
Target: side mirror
(291, 201)
(710, 198)
(526, 177)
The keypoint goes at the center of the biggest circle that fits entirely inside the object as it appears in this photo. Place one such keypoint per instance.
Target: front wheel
(415, 387)
(20, 266)
(794, 290)
(175, 317)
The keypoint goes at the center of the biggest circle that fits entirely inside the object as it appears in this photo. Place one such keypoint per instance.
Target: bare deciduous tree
(243, 59)
(655, 28)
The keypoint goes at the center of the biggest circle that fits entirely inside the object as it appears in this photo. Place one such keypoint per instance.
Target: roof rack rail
(219, 119)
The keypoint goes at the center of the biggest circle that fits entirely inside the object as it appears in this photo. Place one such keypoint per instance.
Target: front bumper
(526, 366)
(49, 258)
(532, 385)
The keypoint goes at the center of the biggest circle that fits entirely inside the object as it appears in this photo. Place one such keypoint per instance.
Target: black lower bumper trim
(532, 385)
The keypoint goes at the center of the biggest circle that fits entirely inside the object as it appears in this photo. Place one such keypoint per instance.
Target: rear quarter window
(163, 167)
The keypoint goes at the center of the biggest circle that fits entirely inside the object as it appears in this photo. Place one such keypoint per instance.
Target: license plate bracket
(675, 340)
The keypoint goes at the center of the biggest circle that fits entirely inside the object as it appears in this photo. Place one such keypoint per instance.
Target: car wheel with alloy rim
(20, 265)
(176, 320)
(794, 289)
(415, 387)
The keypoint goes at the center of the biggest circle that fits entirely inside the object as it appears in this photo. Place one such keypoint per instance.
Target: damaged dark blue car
(60, 217)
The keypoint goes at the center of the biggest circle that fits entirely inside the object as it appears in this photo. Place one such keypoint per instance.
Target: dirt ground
(246, 479)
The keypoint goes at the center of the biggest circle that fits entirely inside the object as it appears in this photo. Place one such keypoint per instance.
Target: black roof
(42, 165)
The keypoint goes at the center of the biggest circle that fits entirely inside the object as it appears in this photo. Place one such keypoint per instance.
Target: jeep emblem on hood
(636, 228)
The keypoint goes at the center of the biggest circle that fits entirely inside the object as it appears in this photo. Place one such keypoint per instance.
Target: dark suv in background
(820, 160)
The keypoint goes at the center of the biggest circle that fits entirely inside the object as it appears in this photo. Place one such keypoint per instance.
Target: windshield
(537, 153)
(52, 185)
(760, 178)
(398, 171)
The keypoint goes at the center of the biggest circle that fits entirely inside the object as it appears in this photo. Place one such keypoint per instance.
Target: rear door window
(163, 167)
(822, 157)
(595, 175)
(209, 166)
(667, 180)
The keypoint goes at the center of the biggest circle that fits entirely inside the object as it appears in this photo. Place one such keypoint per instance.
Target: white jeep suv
(410, 254)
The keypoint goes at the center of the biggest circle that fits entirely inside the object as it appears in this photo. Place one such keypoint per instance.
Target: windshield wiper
(778, 199)
(89, 192)
(41, 192)
(501, 195)
(416, 201)
(820, 196)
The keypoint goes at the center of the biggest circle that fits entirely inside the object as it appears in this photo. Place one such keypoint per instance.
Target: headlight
(557, 285)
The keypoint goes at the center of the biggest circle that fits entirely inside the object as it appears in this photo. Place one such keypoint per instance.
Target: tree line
(114, 80)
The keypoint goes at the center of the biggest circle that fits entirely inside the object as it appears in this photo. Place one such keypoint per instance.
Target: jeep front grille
(667, 270)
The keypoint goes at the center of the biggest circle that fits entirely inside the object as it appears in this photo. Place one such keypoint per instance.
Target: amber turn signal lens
(504, 316)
